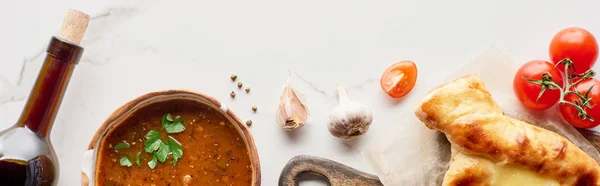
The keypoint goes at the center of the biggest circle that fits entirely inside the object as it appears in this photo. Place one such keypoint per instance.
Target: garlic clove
(292, 113)
(349, 119)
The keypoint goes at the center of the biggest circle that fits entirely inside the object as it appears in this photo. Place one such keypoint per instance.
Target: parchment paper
(411, 154)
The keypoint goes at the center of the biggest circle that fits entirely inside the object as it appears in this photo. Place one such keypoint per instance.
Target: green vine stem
(584, 100)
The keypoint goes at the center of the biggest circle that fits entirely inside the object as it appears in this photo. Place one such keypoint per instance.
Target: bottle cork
(74, 26)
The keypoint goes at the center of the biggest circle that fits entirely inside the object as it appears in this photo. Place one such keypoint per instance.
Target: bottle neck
(47, 93)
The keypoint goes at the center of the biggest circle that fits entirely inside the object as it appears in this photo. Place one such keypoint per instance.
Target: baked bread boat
(490, 148)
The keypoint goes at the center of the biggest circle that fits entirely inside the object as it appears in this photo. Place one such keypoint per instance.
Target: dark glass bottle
(26, 153)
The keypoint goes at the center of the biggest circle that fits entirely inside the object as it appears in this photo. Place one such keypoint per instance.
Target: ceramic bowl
(89, 163)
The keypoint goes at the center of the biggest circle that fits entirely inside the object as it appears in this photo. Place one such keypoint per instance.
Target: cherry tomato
(399, 79)
(570, 113)
(577, 44)
(528, 92)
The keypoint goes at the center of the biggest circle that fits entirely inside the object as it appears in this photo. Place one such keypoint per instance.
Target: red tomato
(577, 44)
(399, 79)
(570, 113)
(528, 92)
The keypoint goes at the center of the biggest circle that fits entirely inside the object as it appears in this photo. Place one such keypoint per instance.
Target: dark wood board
(335, 173)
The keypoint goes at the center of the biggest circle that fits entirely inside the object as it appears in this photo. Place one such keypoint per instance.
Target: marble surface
(134, 47)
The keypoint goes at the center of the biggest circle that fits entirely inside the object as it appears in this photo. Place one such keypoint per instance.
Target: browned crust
(475, 125)
(472, 176)
(550, 155)
(121, 111)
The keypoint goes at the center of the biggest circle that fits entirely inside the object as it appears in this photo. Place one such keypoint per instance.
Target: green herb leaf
(138, 159)
(152, 141)
(160, 150)
(175, 127)
(172, 125)
(163, 152)
(167, 119)
(152, 163)
(121, 145)
(176, 149)
(175, 160)
(125, 161)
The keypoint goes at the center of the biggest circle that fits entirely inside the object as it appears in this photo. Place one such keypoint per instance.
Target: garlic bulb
(291, 113)
(349, 119)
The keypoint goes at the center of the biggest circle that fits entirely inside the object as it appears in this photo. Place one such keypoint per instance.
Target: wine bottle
(26, 153)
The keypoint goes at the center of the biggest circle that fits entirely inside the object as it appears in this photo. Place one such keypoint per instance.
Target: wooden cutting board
(592, 136)
(335, 173)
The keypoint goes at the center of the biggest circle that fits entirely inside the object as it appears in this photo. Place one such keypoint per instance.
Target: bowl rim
(127, 108)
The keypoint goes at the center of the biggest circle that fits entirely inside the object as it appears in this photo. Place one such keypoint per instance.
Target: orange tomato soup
(214, 153)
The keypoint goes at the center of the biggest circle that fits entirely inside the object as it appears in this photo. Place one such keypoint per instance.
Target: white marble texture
(133, 47)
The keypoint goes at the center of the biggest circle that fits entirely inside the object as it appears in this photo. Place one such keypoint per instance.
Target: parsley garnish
(155, 146)
(172, 125)
(163, 152)
(137, 159)
(160, 150)
(121, 145)
(152, 163)
(125, 161)
(152, 141)
(167, 118)
(176, 149)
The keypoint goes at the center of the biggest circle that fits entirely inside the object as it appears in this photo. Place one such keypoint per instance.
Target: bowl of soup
(173, 137)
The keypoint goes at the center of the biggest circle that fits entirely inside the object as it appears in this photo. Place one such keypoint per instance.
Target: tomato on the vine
(570, 113)
(528, 92)
(577, 44)
(399, 79)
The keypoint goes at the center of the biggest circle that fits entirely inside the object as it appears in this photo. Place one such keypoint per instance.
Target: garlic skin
(291, 113)
(349, 119)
